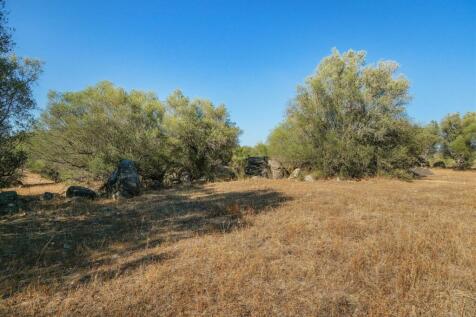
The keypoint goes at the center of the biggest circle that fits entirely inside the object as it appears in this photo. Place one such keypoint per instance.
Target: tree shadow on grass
(81, 240)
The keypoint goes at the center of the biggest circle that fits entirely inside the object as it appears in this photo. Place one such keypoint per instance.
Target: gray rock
(124, 181)
(295, 174)
(277, 169)
(421, 172)
(257, 166)
(9, 202)
(309, 178)
(79, 191)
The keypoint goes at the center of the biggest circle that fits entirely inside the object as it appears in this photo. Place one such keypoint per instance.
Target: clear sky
(249, 55)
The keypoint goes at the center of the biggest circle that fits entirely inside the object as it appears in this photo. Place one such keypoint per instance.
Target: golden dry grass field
(377, 247)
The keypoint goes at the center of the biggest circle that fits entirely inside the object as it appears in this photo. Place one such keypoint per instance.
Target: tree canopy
(349, 119)
(89, 131)
(17, 75)
(458, 134)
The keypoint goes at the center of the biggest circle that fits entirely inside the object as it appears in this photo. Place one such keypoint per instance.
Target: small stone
(295, 174)
(309, 178)
(47, 196)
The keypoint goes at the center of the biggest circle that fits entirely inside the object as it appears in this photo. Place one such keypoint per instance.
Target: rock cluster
(175, 177)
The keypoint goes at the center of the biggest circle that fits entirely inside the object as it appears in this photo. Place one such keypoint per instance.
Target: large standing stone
(257, 166)
(124, 181)
(277, 169)
(79, 191)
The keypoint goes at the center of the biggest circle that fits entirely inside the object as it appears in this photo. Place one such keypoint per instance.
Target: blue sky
(249, 55)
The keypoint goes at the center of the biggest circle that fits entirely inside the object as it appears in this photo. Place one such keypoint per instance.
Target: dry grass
(250, 248)
(34, 184)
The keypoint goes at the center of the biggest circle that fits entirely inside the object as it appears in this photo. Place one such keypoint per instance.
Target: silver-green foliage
(349, 119)
(89, 131)
(201, 135)
(458, 134)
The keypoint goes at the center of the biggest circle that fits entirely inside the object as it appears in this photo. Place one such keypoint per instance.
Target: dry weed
(378, 247)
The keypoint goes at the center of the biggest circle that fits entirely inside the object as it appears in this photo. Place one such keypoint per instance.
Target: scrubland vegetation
(348, 119)
(368, 238)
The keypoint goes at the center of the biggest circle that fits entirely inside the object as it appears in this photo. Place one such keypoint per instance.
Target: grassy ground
(377, 247)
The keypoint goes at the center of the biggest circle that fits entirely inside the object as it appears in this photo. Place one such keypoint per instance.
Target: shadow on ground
(62, 238)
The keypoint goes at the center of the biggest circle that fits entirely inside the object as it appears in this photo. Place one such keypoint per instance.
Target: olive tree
(201, 135)
(89, 131)
(459, 138)
(349, 119)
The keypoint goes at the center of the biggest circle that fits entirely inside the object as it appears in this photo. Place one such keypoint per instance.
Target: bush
(12, 157)
(458, 139)
(201, 136)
